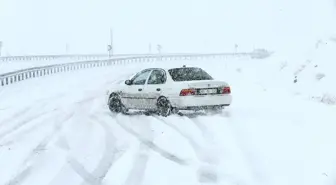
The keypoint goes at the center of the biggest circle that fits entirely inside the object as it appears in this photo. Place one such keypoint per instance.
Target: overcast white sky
(45, 26)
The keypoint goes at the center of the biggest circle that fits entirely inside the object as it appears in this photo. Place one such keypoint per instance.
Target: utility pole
(0, 47)
(150, 48)
(111, 36)
(159, 48)
(67, 48)
(110, 46)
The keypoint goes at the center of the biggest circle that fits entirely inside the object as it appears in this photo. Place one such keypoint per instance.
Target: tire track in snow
(196, 148)
(207, 171)
(249, 157)
(199, 151)
(151, 145)
(17, 180)
(39, 104)
(22, 123)
(137, 173)
(21, 134)
(14, 116)
(40, 147)
(24, 119)
(206, 133)
(72, 164)
(231, 145)
(111, 155)
(29, 162)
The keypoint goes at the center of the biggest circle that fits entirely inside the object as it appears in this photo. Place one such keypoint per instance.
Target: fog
(46, 26)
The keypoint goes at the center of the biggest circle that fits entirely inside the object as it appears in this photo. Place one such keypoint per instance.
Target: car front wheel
(115, 104)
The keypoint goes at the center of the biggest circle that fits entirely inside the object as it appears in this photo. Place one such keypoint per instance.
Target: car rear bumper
(203, 107)
(201, 102)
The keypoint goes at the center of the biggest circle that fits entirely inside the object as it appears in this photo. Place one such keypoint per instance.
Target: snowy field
(314, 71)
(61, 132)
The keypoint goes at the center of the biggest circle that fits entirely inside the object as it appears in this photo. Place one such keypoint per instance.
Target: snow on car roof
(168, 68)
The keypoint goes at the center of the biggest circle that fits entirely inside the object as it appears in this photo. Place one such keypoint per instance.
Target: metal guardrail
(35, 72)
(70, 57)
(53, 57)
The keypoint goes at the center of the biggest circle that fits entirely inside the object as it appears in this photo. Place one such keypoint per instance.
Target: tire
(164, 107)
(115, 105)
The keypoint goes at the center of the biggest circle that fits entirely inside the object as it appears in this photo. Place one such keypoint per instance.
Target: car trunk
(206, 84)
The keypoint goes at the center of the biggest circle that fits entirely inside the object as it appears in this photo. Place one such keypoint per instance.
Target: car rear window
(189, 74)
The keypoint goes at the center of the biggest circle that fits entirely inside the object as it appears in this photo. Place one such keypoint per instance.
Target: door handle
(139, 89)
(158, 89)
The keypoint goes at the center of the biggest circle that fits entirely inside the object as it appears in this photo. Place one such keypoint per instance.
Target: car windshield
(189, 74)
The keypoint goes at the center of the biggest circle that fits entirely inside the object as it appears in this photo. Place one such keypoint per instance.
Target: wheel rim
(115, 104)
(164, 107)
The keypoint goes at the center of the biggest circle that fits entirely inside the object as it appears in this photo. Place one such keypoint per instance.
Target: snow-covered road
(58, 130)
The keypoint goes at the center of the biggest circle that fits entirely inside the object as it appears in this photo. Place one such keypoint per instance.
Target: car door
(133, 93)
(154, 87)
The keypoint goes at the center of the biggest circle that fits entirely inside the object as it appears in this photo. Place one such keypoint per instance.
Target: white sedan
(168, 91)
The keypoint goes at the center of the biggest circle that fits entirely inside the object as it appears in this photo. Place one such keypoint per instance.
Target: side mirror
(128, 82)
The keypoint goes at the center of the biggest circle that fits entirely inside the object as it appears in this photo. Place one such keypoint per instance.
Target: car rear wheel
(164, 107)
(115, 104)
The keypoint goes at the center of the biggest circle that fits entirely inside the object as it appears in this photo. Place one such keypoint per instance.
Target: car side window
(157, 77)
(141, 78)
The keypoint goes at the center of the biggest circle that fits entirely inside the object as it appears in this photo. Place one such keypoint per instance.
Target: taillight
(187, 92)
(226, 90)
